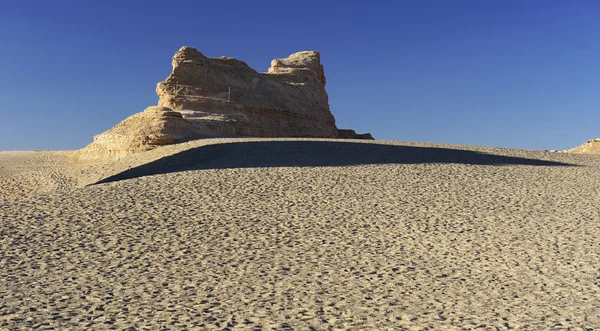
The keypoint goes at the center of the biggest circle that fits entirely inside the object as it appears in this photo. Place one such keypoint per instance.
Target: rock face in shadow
(224, 97)
(591, 146)
(351, 134)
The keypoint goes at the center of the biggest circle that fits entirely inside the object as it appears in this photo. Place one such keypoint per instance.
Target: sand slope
(300, 234)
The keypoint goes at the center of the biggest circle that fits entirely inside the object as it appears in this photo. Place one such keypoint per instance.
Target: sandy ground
(254, 234)
(25, 173)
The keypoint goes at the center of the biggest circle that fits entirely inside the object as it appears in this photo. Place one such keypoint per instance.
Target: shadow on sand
(312, 154)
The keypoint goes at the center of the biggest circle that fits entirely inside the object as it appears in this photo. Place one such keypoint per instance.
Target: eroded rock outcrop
(591, 146)
(155, 126)
(288, 101)
(351, 134)
(224, 97)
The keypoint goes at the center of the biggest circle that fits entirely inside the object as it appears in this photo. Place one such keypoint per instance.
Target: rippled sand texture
(278, 235)
(28, 172)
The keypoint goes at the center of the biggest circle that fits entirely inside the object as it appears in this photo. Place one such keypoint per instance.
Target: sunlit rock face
(288, 101)
(155, 126)
(224, 97)
(591, 146)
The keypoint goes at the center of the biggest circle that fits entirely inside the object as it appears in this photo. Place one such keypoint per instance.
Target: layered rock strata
(224, 97)
(155, 126)
(288, 101)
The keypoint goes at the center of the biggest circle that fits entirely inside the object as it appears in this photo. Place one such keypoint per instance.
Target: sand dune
(247, 234)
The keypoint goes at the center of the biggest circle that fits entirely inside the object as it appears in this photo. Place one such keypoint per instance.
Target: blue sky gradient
(518, 74)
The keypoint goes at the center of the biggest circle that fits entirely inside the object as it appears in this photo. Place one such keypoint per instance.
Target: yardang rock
(224, 97)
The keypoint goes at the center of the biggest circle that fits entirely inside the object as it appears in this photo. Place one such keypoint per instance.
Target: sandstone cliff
(208, 97)
(288, 101)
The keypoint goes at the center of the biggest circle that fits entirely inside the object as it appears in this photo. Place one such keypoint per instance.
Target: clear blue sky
(520, 74)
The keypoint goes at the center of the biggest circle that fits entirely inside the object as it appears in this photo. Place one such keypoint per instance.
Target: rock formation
(224, 97)
(351, 134)
(591, 146)
(155, 126)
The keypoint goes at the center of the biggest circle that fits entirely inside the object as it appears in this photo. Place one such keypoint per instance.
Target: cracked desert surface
(301, 234)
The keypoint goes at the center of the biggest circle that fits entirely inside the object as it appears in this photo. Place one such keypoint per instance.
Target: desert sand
(301, 234)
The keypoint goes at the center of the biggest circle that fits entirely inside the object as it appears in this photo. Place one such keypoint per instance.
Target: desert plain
(301, 234)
